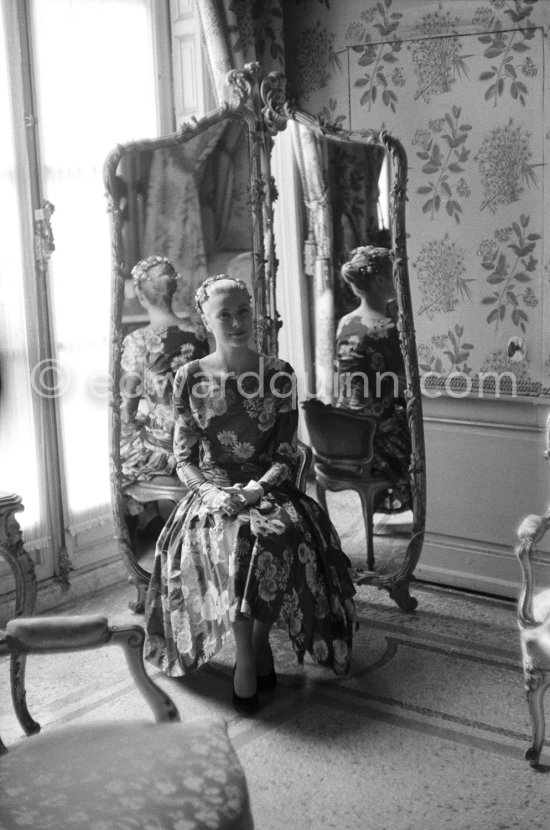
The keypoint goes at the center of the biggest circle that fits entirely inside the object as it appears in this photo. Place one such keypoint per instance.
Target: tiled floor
(428, 731)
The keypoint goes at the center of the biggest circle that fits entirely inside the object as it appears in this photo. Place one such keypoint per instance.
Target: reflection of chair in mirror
(342, 444)
(166, 774)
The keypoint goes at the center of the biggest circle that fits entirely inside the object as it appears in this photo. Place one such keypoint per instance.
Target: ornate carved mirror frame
(277, 112)
(245, 109)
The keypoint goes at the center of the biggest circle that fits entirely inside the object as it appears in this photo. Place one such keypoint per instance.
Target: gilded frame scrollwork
(277, 111)
(244, 108)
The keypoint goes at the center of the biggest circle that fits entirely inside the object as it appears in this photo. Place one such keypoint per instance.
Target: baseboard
(446, 560)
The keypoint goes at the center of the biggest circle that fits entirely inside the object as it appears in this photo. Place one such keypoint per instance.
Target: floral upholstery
(125, 776)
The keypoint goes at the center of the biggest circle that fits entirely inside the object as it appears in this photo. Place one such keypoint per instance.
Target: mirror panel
(189, 202)
(347, 162)
(193, 197)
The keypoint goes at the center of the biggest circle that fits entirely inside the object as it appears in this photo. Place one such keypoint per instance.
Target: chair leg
(18, 663)
(367, 502)
(138, 605)
(536, 684)
(321, 495)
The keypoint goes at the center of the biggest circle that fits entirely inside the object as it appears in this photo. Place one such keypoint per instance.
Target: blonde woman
(245, 549)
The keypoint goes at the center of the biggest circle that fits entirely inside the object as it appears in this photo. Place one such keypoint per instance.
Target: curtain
(357, 218)
(312, 155)
(95, 73)
(19, 431)
(293, 300)
(173, 206)
(239, 32)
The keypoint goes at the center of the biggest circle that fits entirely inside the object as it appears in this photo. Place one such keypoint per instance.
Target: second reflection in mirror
(151, 356)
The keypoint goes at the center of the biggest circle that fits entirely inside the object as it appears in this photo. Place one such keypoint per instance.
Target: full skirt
(279, 562)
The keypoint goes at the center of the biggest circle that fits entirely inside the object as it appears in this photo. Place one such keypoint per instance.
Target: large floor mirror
(182, 207)
(340, 174)
(198, 202)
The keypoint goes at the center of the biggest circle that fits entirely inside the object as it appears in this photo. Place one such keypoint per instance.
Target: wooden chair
(160, 488)
(115, 774)
(534, 624)
(342, 444)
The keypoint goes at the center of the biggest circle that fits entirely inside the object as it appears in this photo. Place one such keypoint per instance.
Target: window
(76, 77)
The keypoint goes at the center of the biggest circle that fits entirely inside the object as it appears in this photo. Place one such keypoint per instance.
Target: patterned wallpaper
(461, 85)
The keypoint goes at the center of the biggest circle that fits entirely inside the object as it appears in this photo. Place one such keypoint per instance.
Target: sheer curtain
(311, 153)
(19, 433)
(95, 71)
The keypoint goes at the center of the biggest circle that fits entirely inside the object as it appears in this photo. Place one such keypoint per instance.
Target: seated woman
(367, 346)
(245, 549)
(151, 356)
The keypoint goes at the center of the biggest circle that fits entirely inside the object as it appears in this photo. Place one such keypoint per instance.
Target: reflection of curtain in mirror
(293, 301)
(95, 85)
(311, 153)
(354, 172)
(173, 225)
(173, 222)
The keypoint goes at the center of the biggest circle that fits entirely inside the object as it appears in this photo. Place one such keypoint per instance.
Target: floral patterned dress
(279, 561)
(150, 359)
(371, 348)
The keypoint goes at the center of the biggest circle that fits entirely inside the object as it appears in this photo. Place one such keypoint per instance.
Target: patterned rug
(428, 731)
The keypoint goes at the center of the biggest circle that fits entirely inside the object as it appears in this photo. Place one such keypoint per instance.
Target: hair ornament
(201, 294)
(140, 271)
(373, 259)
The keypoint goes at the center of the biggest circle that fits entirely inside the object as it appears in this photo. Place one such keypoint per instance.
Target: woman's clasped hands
(230, 500)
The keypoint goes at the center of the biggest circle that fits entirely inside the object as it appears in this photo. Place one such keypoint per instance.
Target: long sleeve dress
(279, 561)
(151, 356)
(367, 349)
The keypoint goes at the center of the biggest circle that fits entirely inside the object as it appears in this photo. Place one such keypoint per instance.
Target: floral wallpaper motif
(462, 85)
(447, 352)
(444, 157)
(504, 165)
(314, 60)
(441, 268)
(438, 61)
(379, 60)
(509, 273)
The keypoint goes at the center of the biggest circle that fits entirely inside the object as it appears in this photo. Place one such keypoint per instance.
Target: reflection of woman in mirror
(245, 549)
(151, 356)
(367, 346)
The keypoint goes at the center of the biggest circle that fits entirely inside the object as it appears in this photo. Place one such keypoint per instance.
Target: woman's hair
(157, 279)
(364, 263)
(212, 285)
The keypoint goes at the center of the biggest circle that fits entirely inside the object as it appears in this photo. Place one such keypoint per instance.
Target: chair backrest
(337, 434)
(48, 635)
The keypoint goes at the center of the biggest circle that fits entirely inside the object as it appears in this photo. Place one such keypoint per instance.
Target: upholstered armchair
(129, 774)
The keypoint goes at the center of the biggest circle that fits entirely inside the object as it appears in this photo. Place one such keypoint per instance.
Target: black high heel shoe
(267, 682)
(245, 706)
